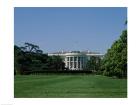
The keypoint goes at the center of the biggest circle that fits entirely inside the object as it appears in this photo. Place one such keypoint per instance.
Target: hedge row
(58, 72)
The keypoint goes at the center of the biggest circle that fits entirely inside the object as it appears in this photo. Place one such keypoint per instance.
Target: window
(74, 64)
(71, 58)
(70, 64)
(67, 58)
(78, 64)
(78, 59)
(75, 58)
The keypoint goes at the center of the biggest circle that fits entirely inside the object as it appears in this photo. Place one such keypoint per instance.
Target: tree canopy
(30, 58)
(114, 62)
(94, 64)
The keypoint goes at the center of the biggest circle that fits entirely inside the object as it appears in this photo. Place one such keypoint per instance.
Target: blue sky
(57, 29)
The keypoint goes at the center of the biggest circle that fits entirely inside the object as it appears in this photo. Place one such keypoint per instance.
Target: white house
(75, 60)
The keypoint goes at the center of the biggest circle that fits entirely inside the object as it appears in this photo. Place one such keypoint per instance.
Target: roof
(62, 53)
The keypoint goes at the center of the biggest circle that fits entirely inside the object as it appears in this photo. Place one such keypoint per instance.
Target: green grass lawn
(86, 86)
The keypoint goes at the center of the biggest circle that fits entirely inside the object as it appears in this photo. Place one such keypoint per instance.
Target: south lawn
(86, 86)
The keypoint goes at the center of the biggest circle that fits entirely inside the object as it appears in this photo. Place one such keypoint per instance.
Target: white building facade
(76, 60)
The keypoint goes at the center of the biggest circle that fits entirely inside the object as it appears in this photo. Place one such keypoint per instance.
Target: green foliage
(114, 62)
(17, 55)
(59, 72)
(31, 48)
(94, 64)
(30, 58)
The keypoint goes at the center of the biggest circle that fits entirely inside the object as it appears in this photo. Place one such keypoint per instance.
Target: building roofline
(71, 53)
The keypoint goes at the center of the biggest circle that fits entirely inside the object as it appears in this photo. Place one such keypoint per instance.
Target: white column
(80, 63)
(76, 63)
(73, 63)
(69, 63)
(66, 60)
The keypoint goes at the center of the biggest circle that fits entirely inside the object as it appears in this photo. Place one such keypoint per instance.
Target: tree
(17, 53)
(114, 62)
(29, 58)
(93, 64)
(57, 63)
(21, 61)
(28, 47)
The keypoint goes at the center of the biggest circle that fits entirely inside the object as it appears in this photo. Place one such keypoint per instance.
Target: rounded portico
(75, 60)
